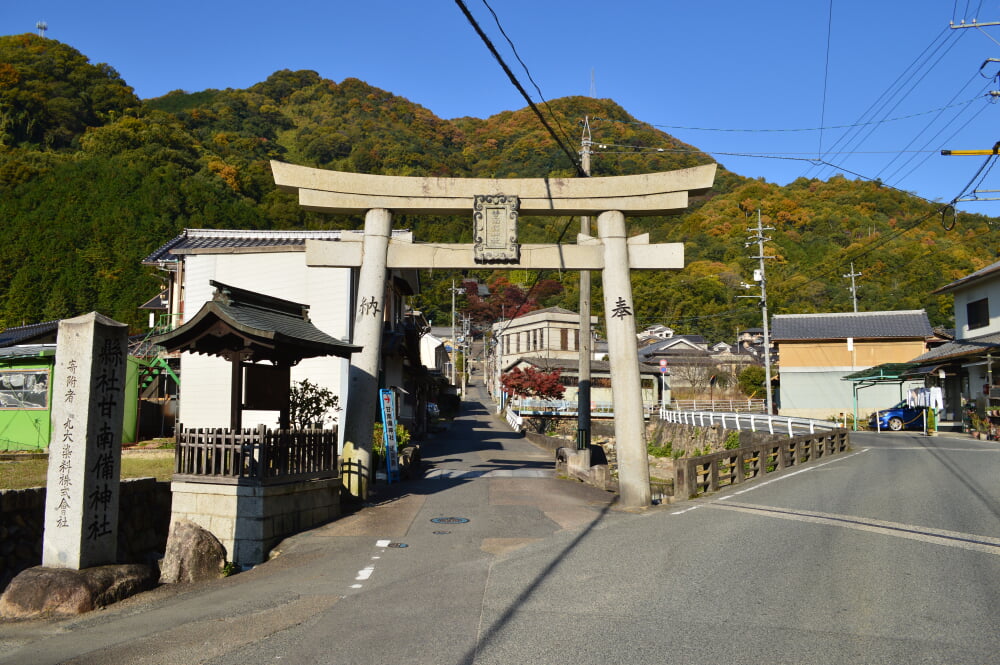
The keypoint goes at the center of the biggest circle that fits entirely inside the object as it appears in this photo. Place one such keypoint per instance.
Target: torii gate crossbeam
(374, 252)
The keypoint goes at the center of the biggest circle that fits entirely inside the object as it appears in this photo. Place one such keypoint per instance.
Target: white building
(968, 368)
(274, 263)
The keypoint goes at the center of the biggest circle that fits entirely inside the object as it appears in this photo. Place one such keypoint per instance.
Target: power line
(930, 123)
(883, 99)
(520, 88)
(826, 76)
(496, 19)
(793, 129)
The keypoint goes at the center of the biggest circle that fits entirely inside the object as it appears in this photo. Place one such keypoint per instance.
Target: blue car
(898, 418)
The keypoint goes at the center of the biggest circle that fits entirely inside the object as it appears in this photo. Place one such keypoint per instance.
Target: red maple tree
(531, 382)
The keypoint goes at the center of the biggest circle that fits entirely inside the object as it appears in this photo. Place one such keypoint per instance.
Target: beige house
(818, 350)
(546, 334)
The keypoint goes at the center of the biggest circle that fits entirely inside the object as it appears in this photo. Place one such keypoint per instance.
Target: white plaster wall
(205, 380)
(990, 290)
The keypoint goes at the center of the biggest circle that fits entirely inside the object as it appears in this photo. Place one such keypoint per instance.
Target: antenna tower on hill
(42, 26)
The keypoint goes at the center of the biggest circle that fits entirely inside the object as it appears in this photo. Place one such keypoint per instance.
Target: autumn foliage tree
(531, 382)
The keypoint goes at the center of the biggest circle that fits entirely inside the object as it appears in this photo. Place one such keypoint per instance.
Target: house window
(24, 389)
(564, 339)
(977, 313)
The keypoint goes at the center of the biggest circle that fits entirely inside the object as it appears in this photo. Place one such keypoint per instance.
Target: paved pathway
(325, 597)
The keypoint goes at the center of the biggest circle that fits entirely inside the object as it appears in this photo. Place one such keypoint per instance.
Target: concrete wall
(266, 514)
(823, 394)
(143, 521)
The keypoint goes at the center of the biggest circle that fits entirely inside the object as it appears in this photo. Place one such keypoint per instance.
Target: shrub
(666, 450)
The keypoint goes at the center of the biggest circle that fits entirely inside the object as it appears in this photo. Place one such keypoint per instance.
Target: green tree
(751, 381)
(310, 404)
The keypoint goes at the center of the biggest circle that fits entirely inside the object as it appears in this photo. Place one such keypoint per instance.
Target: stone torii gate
(495, 205)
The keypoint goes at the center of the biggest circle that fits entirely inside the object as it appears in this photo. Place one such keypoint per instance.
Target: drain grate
(450, 520)
(398, 545)
(441, 533)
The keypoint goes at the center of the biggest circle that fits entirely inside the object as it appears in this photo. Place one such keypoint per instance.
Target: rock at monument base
(43, 592)
(193, 554)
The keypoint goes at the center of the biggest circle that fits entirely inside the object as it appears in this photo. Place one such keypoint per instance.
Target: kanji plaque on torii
(495, 235)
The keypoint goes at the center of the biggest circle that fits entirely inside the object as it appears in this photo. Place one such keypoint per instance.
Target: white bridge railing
(515, 421)
(754, 422)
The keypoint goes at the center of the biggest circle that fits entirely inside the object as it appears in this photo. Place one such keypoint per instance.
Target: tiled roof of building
(982, 273)
(33, 333)
(859, 325)
(549, 310)
(198, 239)
(959, 348)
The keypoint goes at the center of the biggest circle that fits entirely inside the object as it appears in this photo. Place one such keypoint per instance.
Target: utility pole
(454, 342)
(586, 338)
(989, 153)
(466, 348)
(760, 239)
(854, 287)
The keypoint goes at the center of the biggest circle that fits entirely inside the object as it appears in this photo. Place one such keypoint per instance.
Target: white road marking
(454, 474)
(966, 541)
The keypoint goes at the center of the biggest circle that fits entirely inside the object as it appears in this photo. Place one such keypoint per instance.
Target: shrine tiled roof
(269, 328)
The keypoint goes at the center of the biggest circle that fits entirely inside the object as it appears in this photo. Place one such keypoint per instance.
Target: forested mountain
(92, 179)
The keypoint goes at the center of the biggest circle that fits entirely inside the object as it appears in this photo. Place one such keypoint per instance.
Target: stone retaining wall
(249, 520)
(143, 521)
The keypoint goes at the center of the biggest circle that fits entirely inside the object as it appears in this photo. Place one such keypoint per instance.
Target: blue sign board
(388, 401)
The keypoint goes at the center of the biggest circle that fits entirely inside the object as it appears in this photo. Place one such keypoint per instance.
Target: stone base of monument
(56, 592)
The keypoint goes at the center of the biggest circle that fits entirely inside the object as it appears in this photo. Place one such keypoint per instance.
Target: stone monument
(84, 476)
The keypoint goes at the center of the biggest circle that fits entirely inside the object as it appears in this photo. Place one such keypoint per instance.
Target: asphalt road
(888, 554)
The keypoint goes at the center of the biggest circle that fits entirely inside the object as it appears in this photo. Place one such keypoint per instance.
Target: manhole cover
(441, 533)
(398, 545)
(450, 520)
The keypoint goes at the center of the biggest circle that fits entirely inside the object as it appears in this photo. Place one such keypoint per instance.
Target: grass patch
(21, 474)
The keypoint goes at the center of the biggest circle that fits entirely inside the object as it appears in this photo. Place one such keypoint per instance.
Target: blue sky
(724, 65)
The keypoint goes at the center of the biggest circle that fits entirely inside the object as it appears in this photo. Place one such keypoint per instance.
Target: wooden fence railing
(708, 473)
(255, 456)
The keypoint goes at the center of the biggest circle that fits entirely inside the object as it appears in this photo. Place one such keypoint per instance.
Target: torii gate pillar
(362, 395)
(626, 391)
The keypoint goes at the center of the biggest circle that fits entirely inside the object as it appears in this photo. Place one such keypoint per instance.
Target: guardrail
(709, 473)
(569, 408)
(515, 421)
(754, 422)
(727, 405)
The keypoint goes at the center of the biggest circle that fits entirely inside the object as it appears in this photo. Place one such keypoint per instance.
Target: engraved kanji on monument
(84, 476)
(495, 233)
